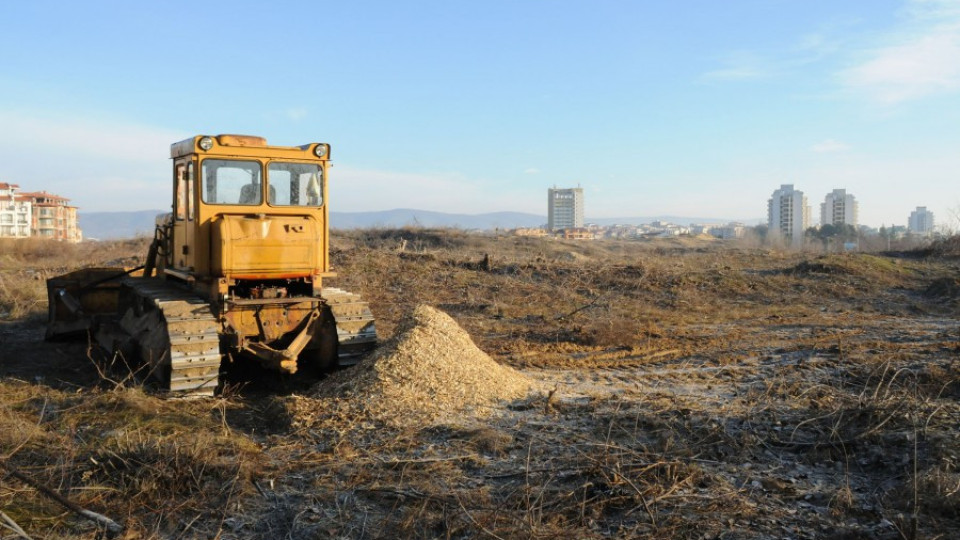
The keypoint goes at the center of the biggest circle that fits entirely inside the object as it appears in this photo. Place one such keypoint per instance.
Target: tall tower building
(788, 216)
(564, 208)
(839, 208)
(921, 221)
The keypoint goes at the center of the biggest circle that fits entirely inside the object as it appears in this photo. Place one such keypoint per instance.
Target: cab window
(295, 184)
(232, 182)
(190, 191)
(181, 183)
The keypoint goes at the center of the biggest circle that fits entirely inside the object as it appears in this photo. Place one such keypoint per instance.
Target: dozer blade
(80, 300)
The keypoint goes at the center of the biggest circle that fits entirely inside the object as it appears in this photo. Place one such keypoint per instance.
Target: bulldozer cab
(244, 210)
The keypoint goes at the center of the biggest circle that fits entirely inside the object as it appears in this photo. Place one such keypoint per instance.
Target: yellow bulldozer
(235, 271)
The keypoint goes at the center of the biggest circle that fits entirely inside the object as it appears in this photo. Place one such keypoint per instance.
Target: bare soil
(677, 389)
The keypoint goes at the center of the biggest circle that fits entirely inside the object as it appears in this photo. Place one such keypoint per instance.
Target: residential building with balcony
(839, 208)
(921, 221)
(16, 212)
(788, 216)
(53, 218)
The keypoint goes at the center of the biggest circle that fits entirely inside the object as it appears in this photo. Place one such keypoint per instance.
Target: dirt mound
(877, 270)
(943, 288)
(573, 256)
(431, 368)
(820, 266)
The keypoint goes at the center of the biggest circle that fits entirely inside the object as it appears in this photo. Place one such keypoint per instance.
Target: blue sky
(691, 107)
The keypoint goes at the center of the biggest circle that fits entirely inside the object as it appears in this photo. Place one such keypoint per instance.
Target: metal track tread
(192, 337)
(356, 326)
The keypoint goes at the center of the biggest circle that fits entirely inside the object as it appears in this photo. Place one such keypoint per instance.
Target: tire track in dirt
(704, 373)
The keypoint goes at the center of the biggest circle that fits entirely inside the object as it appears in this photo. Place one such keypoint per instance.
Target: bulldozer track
(180, 332)
(356, 329)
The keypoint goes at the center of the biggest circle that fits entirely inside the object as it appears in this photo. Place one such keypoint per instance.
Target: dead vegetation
(25, 265)
(681, 389)
(946, 247)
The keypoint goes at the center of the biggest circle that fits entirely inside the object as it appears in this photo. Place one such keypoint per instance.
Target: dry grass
(25, 265)
(947, 247)
(690, 390)
(149, 463)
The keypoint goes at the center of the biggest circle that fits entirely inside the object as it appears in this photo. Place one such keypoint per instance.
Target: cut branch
(113, 528)
(9, 523)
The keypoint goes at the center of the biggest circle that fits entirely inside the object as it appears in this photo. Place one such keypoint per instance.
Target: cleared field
(670, 389)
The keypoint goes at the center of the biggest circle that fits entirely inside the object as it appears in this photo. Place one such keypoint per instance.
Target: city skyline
(657, 108)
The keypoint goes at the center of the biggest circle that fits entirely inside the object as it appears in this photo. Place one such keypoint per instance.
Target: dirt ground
(680, 389)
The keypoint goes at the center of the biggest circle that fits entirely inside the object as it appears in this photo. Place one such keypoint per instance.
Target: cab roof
(246, 145)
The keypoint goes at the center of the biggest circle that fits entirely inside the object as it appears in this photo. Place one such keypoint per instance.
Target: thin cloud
(925, 66)
(914, 64)
(296, 114)
(816, 46)
(815, 42)
(99, 165)
(84, 137)
(754, 65)
(532, 170)
(354, 189)
(830, 145)
(918, 58)
(936, 10)
(739, 66)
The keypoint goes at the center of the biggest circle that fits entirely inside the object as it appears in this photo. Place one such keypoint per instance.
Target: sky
(691, 108)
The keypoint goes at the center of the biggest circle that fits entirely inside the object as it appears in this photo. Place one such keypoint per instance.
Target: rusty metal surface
(76, 301)
(285, 360)
(265, 320)
(177, 334)
(356, 326)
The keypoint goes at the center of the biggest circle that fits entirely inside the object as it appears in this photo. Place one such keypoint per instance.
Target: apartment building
(53, 218)
(921, 221)
(16, 212)
(564, 208)
(839, 208)
(37, 214)
(788, 216)
(728, 231)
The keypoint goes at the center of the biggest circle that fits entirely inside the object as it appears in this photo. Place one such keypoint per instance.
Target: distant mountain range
(403, 217)
(114, 225)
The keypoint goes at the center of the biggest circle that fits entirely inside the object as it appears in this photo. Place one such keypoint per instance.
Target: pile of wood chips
(429, 370)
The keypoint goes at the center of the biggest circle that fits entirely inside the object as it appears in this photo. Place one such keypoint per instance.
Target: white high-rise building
(16, 212)
(839, 208)
(788, 216)
(564, 208)
(921, 221)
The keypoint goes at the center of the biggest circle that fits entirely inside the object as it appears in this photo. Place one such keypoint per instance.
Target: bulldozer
(235, 272)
